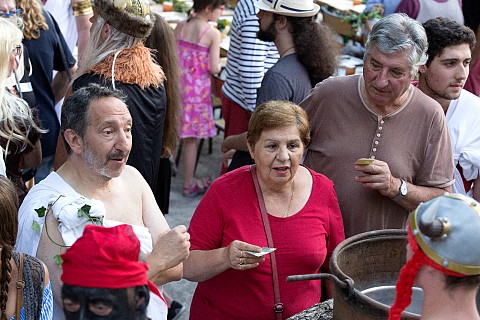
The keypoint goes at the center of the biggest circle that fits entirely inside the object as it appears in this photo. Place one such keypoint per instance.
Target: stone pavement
(181, 211)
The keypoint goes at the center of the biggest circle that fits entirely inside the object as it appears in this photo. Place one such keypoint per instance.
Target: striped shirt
(47, 305)
(248, 58)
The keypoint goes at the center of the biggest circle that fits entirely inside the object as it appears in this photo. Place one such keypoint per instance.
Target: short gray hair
(76, 107)
(397, 33)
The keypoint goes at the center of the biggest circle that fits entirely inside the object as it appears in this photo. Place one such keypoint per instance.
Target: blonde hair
(10, 38)
(16, 119)
(33, 19)
(98, 48)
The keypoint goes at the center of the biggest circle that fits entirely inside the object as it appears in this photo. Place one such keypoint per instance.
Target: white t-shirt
(62, 12)
(463, 119)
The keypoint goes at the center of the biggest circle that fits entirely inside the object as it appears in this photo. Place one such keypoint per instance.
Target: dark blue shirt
(46, 56)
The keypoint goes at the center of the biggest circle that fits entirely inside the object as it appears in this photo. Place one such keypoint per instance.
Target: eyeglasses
(10, 14)
(17, 51)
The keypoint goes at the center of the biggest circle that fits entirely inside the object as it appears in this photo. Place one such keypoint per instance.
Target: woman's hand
(237, 257)
(202, 265)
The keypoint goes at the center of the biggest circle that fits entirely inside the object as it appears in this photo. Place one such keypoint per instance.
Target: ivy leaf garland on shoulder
(83, 213)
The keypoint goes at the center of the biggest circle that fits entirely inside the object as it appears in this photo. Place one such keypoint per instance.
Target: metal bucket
(363, 265)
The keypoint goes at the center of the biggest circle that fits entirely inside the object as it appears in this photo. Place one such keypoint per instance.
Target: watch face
(403, 188)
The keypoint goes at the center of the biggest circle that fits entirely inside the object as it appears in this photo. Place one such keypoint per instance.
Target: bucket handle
(346, 285)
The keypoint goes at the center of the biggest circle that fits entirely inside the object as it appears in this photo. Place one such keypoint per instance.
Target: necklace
(285, 214)
(283, 53)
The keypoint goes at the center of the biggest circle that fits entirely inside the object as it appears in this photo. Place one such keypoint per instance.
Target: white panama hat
(292, 8)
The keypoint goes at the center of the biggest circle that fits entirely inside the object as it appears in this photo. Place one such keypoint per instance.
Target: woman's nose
(283, 153)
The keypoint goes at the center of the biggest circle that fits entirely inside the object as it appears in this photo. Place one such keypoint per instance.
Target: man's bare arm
(83, 31)
(378, 176)
(170, 246)
(60, 83)
(51, 244)
(418, 194)
(237, 142)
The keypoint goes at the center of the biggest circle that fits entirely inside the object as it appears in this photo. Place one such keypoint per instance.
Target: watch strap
(400, 196)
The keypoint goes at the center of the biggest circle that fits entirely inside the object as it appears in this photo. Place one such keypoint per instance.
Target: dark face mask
(80, 303)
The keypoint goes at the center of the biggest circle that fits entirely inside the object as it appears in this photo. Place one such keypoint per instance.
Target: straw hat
(292, 8)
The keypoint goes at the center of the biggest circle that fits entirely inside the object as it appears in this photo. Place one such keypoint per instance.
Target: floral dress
(196, 119)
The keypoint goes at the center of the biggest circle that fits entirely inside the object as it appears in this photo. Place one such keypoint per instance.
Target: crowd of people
(312, 158)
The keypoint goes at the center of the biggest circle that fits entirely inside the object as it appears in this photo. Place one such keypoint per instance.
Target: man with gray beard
(95, 186)
(116, 58)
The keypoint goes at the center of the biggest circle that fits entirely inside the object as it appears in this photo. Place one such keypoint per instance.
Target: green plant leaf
(180, 6)
(84, 211)
(222, 24)
(35, 226)
(41, 212)
(58, 260)
(357, 20)
(374, 13)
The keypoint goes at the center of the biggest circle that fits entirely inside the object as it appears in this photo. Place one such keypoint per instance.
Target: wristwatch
(402, 191)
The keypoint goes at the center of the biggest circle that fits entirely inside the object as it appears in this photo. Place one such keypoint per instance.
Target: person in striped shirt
(248, 60)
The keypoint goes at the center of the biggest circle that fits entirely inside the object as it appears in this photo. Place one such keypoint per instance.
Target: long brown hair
(8, 236)
(162, 40)
(316, 47)
(33, 19)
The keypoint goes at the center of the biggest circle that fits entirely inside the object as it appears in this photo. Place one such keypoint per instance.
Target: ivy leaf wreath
(83, 212)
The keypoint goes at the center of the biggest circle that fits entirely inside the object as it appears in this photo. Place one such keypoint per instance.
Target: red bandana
(105, 258)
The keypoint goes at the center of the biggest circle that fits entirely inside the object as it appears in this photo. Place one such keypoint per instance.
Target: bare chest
(126, 208)
(121, 205)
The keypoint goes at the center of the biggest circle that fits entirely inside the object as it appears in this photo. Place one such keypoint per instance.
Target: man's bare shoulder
(132, 179)
(131, 174)
(125, 201)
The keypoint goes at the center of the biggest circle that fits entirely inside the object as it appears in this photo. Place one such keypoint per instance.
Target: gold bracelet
(79, 13)
(81, 5)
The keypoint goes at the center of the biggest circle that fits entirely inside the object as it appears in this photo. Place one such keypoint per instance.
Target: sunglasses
(17, 51)
(10, 14)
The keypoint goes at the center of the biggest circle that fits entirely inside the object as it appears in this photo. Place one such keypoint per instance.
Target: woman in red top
(303, 214)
